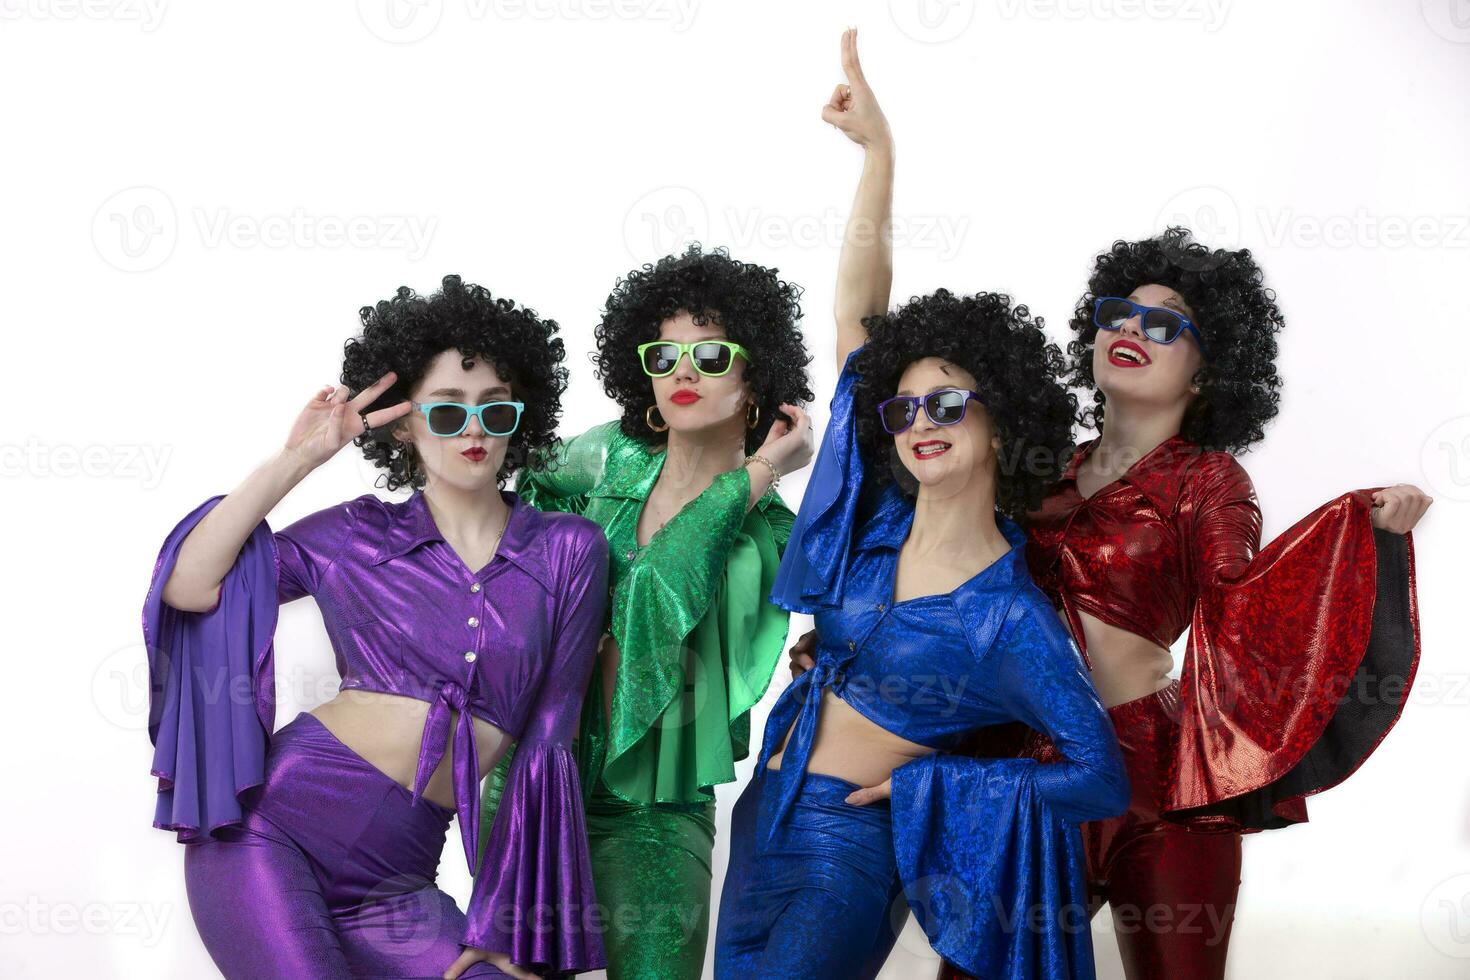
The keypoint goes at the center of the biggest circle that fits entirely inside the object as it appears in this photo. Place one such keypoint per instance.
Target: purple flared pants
(332, 873)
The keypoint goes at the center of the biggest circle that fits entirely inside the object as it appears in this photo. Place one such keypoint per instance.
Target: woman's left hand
(789, 445)
(471, 955)
(1399, 507)
(871, 794)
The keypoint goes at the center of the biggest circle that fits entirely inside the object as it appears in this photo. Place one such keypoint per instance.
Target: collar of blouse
(523, 544)
(1158, 474)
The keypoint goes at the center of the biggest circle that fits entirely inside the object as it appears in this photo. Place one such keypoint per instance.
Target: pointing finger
(851, 64)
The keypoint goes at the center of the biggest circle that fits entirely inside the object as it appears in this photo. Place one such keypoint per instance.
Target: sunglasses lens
(711, 358)
(1113, 313)
(946, 407)
(446, 420)
(897, 415)
(1161, 325)
(660, 358)
(500, 420)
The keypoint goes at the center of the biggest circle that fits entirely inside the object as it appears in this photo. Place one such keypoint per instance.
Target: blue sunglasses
(1162, 326)
(451, 418)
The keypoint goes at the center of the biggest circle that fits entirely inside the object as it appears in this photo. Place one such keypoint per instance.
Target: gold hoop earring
(648, 420)
(751, 423)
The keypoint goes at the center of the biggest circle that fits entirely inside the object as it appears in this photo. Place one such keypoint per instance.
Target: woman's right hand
(330, 420)
(853, 107)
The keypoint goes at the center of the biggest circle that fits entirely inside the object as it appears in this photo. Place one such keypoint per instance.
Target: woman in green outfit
(704, 357)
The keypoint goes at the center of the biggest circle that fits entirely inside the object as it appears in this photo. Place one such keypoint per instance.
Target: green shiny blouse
(698, 640)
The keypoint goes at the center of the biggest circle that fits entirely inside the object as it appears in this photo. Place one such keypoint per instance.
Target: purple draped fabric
(211, 688)
(512, 643)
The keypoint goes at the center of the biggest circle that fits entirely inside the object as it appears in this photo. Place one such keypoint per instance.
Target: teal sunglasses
(451, 418)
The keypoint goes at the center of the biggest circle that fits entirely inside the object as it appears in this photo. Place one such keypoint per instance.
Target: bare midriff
(1125, 666)
(852, 746)
(385, 730)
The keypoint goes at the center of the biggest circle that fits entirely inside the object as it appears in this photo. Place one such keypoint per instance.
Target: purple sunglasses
(946, 406)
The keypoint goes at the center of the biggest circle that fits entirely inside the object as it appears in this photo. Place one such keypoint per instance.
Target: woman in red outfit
(1300, 655)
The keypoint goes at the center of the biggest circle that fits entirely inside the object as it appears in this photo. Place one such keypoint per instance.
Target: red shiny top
(1138, 552)
(1278, 635)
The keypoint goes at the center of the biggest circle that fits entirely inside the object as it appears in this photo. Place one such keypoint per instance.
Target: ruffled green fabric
(698, 639)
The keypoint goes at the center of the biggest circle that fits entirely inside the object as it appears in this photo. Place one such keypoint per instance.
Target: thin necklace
(503, 524)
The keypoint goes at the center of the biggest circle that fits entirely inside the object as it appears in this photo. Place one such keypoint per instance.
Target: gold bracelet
(775, 473)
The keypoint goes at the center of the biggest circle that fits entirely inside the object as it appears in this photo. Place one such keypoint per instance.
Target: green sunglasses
(710, 358)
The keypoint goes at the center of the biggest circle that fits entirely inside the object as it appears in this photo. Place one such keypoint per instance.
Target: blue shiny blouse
(989, 849)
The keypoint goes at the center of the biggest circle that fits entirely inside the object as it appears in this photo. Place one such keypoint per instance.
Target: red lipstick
(1118, 355)
(474, 454)
(684, 396)
(930, 448)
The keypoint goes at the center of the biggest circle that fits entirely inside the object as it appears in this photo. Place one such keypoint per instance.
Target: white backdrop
(197, 197)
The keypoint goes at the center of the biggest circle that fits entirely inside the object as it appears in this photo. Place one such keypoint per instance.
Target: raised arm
(865, 268)
(329, 421)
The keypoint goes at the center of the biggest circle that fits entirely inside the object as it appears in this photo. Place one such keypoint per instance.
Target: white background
(177, 181)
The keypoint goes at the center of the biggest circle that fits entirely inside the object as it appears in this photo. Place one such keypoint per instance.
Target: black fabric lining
(1365, 713)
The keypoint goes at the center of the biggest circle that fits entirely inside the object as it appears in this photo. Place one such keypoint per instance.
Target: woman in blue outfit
(946, 421)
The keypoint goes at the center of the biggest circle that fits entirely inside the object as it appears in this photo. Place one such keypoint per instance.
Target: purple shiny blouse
(512, 643)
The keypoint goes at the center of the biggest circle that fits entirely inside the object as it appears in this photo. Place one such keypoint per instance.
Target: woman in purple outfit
(462, 620)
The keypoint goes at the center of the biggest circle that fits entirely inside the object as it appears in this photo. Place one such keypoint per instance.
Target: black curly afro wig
(753, 306)
(405, 333)
(1239, 387)
(1017, 374)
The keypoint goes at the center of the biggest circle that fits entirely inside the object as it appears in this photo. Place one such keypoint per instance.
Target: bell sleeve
(533, 897)
(697, 646)
(211, 697)
(989, 850)
(1300, 656)
(813, 572)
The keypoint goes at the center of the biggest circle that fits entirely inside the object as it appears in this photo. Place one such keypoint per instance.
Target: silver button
(632, 555)
(473, 620)
(475, 587)
(880, 607)
(851, 645)
(469, 656)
